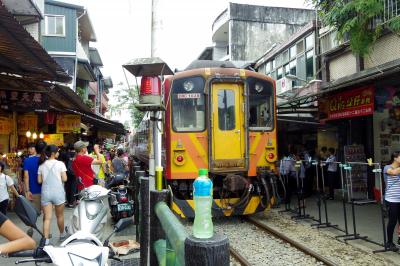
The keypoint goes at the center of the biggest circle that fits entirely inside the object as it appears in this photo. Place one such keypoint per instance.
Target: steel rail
(239, 257)
(292, 242)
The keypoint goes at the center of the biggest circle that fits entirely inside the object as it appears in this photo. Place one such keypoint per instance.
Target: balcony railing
(391, 9)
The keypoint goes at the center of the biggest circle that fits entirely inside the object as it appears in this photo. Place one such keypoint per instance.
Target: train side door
(228, 134)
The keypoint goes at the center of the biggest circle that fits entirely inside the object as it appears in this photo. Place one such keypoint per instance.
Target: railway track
(243, 261)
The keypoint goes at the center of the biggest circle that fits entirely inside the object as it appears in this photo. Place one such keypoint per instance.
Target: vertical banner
(68, 123)
(27, 122)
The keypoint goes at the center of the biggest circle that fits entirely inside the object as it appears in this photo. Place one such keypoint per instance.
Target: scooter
(90, 215)
(120, 204)
(81, 248)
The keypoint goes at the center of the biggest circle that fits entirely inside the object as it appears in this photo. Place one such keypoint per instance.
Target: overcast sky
(123, 29)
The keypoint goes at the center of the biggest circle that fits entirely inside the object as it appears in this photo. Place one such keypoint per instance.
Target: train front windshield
(261, 104)
(188, 105)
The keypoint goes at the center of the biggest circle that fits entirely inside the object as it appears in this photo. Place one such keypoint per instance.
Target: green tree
(356, 19)
(127, 97)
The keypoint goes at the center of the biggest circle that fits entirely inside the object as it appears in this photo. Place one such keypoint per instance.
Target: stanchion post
(144, 222)
(156, 230)
(138, 175)
(207, 252)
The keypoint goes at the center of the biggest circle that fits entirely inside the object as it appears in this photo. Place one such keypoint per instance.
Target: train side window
(226, 110)
(188, 104)
(261, 104)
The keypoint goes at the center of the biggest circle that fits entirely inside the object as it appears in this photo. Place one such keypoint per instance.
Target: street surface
(128, 233)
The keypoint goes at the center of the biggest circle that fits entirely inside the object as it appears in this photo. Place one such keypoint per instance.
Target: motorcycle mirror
(122, 224)
(26, 212)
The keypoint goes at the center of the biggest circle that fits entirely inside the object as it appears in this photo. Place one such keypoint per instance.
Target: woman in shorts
(51, 174)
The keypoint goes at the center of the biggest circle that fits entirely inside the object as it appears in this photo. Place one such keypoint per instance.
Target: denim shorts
(53, 197)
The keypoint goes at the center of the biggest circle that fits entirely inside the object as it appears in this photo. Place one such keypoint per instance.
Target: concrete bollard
(144, 221)
(207, 252)
(156, 231)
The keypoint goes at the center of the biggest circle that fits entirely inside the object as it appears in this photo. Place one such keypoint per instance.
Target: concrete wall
(254, 29)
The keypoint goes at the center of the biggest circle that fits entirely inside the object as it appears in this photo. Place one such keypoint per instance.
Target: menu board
(359, 173)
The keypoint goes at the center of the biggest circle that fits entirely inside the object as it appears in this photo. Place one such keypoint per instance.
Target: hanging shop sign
(27, 122)
(106, 135)
(353, 103)
(68, 123)
(54, 139)
(23, 101)
(5, 125)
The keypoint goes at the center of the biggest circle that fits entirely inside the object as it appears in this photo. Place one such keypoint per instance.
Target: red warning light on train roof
(150, 86)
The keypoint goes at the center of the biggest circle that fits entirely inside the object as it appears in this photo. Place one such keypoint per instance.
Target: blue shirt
(392, 193)
(31, 164)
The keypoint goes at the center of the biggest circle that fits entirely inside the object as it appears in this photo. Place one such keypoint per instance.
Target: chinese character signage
(27, 122)
(68, 123)
(5, 125)
(358, 102)
(23, 101)
(54, 139)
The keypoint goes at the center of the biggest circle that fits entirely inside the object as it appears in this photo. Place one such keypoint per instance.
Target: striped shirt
(392, 193)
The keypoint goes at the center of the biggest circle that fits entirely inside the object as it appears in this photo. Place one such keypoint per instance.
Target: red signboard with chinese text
(358, 102)
(68, 123)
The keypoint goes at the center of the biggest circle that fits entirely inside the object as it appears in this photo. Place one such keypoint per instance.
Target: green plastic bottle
(203, 198)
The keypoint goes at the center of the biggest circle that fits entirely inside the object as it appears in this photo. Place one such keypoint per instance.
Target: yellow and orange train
(222, 119)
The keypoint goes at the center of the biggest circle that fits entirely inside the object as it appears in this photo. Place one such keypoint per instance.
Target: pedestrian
(391, 174)
(33, 189)
(82, 164)
(51, 174)
(120, 166)
(18, 240)
(6, 182)
(100, 170)
(67, 157)
(331, 172)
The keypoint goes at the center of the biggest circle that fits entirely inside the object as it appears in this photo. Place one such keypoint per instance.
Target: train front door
(228, 133)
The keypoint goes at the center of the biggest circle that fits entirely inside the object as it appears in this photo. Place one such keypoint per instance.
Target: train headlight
(271, 157)
(188, 85)
(258, 87)
(179, 159)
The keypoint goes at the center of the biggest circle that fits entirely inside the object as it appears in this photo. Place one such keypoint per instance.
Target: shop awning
(85, 70)
(21, 54)
(64, 99)
(359, 78)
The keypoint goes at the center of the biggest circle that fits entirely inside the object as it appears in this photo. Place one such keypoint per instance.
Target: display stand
(344, 187)
(378, 171)
(285, 178)
(324, 196)
(301, 204)
(354, 235)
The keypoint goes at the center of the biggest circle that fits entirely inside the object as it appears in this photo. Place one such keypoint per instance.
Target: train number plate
(124, 207)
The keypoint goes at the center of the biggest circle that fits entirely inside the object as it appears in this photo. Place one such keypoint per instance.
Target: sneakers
(392, 247)
(63, 236)
(30, 232)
